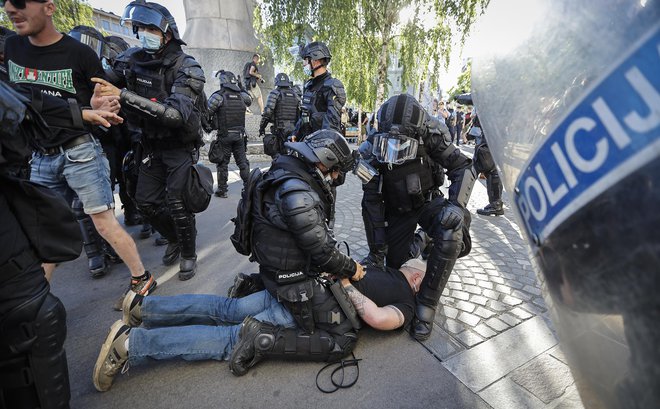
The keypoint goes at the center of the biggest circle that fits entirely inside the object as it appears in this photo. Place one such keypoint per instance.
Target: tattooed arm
(384, 318)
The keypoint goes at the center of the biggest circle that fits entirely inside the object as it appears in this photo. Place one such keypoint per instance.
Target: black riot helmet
(282, 80)
(113, 46)
(316, 51)
(89, 36)
(228, 80)
(143, 14)
(404, 115)
(325, 146)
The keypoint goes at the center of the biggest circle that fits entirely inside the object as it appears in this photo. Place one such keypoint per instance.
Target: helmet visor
(394, 149)
(94, 43)
(140, 15)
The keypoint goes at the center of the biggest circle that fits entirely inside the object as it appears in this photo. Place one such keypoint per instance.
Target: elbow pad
(169, 116)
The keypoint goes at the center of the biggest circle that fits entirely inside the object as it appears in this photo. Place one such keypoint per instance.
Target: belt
(79, 140)
(17, 265)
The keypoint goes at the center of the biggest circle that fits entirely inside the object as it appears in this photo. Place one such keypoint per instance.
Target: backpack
(252, 192)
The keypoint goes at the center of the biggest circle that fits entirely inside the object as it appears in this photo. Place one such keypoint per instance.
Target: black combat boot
(492, 209)
(172, 253)
(254, 338)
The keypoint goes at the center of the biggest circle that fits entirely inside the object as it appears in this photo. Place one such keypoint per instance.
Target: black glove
(451, 216)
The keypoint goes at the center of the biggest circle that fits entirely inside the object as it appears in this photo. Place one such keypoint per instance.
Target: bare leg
(108, 227)
(48, 270)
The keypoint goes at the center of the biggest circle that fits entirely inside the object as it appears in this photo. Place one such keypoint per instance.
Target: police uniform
(33, 366)
(405, 193)
(282, 109)
(484, 163)
(296, 208)
(227, 112)
(162, 92)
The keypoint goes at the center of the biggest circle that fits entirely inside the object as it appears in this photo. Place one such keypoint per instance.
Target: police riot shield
(571, 107)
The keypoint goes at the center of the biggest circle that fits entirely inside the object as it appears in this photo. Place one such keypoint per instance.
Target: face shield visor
(93, 42)
(394, 148)
(141, 15)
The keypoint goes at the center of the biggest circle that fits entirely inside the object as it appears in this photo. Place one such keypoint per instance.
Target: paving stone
(497, 325)
(506, 394)
(503, 288)
(486, 284)
(470, 281)
(540, 302)
(469, 338)
(533, 308)
(507, 299)
(570, 400)
(453, 326)
(498, 306)
(544, 377)
(455, 286)
(448, 311)
(484, 331)
(483, 277)
(491, 360)
(520, 313)
(515, 284)
(509, 319)
(491, 294)
(469, 319)
(461, 295)
(477, 299)
(522, 295)
(472, 289)
(442, 345)
(484, 313)
(465, 306)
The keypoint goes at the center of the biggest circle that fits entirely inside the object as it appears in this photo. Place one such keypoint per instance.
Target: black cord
(343, 364)
(348, 249)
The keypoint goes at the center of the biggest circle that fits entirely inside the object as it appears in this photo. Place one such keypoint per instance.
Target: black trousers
(401, 227)
(236, 146)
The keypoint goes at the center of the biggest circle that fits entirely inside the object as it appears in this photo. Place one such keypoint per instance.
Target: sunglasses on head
(19, 4)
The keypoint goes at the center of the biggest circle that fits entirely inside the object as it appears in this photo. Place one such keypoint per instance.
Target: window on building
(105, 24)
(116, 28)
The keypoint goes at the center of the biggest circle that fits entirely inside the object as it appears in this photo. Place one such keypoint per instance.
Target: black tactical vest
(231, 115)
(286, 112)
(154, 80)
(273, 246)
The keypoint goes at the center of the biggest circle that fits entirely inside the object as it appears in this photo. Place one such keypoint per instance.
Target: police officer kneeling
(410, 150)
(293, 246)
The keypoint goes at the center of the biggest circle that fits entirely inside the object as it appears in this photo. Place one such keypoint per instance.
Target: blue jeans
(198, 327)
(82, 170)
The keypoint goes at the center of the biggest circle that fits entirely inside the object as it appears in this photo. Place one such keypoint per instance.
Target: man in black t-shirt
(252, 80)
(72, 161)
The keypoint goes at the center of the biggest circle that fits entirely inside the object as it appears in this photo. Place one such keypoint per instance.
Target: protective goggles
(394, 149)
(140, 15)
(20, 4)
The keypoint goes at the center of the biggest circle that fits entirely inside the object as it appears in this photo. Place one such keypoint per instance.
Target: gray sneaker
(112, 358)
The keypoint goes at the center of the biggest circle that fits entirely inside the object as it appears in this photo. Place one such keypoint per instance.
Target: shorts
(82, 170)
(255, 92)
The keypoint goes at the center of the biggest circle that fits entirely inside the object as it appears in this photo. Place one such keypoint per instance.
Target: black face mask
(19, 4)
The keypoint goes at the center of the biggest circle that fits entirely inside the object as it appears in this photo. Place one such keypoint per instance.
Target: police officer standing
(162, 87)
(297, 203)
(484, 163)
(409, 150)
(227, 115)
(323, 95)
(283, 110)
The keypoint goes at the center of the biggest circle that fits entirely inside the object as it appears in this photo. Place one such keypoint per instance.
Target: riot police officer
(323, 96)
(409, 149)
(484, 163)
(227, 115)
(283, 110)
(297, 207)
(163, 90)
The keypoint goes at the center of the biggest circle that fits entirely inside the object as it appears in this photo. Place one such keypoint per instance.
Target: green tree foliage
(364, 35)
(463, 83)
(70, 13)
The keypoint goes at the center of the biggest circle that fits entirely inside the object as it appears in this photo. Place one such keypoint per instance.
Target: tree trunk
(382, 74)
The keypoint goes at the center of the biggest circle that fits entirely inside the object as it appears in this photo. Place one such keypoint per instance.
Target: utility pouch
(297, 298)
(414, 189)
(345, 303)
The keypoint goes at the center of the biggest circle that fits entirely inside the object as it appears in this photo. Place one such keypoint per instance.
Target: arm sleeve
(301, 212)
(336, 98)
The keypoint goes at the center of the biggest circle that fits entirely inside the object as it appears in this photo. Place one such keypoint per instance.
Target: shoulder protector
(337, 88)
(190, 76)
(215, 101)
